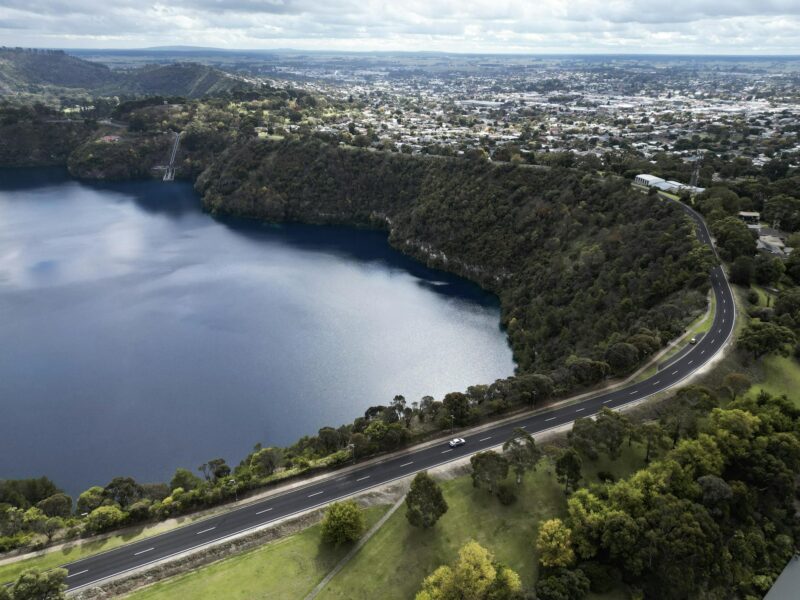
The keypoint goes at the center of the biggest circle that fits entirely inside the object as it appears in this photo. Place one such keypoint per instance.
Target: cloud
(680, 26)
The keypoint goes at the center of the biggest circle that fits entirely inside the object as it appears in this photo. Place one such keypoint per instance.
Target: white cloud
(679, 26)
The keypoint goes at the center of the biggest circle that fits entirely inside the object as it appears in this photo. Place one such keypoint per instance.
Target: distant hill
(27, 70)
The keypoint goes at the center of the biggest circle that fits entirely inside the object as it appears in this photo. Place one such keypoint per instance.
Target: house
(750, 218)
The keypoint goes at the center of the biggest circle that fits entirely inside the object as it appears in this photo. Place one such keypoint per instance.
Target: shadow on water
(178, 200)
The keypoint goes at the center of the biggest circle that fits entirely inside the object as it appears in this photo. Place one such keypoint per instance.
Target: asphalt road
(96, 568)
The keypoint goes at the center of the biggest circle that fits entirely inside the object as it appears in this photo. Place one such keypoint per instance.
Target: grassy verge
(81, 549)
(288, 568)
(399, 557)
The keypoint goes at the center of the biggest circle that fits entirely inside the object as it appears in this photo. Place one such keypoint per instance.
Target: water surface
(138, 334)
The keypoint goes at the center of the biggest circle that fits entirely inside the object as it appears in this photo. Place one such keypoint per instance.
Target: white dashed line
(446, 451)
(690, 362)
(362, 478)
(261, 512)
(206, 530)
(656, 382)
(78, 573)
(315, 494)
(484, 439)
(143, 551)
(406, 464)
(580, 409)
(633, 392)
(675, 372)
(551, 419)
(607, 401)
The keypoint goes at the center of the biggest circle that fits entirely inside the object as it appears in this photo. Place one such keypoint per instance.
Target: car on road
(693, 341)
(456, 442)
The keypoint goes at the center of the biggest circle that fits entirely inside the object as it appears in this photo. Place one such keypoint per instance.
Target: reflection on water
(138, 334)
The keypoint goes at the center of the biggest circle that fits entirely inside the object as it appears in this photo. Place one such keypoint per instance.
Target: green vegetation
(425, 503)
(36, 585)
(288, 568)
(343, 523)
(781, 378)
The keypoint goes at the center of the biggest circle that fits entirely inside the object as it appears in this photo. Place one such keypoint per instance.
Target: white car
(693, 341)
(456, 442)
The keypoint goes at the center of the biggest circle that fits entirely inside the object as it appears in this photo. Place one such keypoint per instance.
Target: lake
(139, 334)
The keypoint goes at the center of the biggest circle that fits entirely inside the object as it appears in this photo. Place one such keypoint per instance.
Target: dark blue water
(138, 334)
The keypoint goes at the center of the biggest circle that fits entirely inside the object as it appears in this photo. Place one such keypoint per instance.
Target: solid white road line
(362, 478)
(315, 494)
(261, 512)
(143, 551)
(408, 463)
(206, 530)
(78, 573)
(484, 439)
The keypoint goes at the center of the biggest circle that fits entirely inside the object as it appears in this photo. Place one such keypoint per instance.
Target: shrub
(343, 523)
(506, 493)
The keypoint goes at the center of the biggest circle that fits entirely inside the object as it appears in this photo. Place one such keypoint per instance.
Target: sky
(497, 26)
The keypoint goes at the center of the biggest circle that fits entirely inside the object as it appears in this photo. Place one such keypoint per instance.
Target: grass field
(781, 376)
(285, 569)
(399, 557)
(81, 549)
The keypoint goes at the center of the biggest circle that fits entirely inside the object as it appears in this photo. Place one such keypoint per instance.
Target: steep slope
(25, 70)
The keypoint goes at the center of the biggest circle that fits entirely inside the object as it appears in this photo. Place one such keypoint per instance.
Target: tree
(343, 523)
(474, 576)
(36, 585)
(265, 461)
(563, 584)
(737, 383)
(57, 505)
(521, 452)
(51, 526)
(583, 438)
(768, 269)
(554, 544)
(654, 438)
(425, 503)
(91, 499)
(743, 270)
(488, 469)
(123, 490)
(622, 357)
(766, 338)
(610, 430)
(104, 518)
(457, 404)
(733, 238)
(568, 469)
(783, 211)
(184, 479)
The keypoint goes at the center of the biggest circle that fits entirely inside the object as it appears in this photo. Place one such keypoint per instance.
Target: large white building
(673, 187)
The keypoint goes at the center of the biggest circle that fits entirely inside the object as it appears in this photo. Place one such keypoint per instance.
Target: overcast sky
(536, 26)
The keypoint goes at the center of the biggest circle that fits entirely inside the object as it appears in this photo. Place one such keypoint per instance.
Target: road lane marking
(580, 409)
(690, 362)
(522, 426)
(675, 372)
(408, 463)
(315, 494)
(206, 530)
(78, 573)
(446, 451)
(712, 340)
(633, 392)
(484, 439)
(607, 401)
(719, 330)
(656, 382)
(550, 419)
(362, 478)
(261, 512)
(143, 551)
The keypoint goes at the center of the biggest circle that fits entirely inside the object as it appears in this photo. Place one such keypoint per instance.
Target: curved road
(132, 556)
